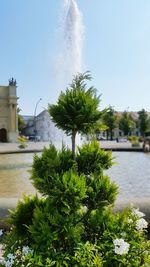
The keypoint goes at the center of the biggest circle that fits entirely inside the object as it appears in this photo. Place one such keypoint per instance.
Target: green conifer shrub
(77, 110)
(72, 223)
(51, 162)
(91, 159)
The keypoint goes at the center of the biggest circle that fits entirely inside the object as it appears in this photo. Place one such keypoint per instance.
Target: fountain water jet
(69, 61)
(72, 32)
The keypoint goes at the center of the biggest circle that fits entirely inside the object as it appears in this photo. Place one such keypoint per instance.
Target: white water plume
(70, 61)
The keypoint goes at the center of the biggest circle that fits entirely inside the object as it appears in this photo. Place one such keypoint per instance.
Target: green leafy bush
(49, 164)
(133, 138)
(88, 255)
(58, 240)
(73, 224)
(22, 141)
(134, 141)
(120, 227)
(91, 159)
(20, 220)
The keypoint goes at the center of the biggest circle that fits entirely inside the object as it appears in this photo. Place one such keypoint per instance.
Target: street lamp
(35, 118)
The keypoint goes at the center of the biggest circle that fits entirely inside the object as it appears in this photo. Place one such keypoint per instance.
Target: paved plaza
(31, 146)
(38, 146)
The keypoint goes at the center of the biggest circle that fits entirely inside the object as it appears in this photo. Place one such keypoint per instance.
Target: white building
(43, 129)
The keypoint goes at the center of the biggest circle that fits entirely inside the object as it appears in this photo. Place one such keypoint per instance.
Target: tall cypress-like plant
(72, 223)
(77, 109)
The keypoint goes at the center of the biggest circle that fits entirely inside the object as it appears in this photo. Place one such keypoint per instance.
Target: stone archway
(3, 135)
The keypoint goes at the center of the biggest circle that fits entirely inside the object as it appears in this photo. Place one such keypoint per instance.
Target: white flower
(10, 257)
(138, 213)
(141, 224)
(9, 260)
(90, 177)
(26, 250)
(84, 209)
(1, 232)
(121, 247)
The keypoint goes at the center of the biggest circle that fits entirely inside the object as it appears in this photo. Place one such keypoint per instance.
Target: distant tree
(77, 110)
(21, 121)
(143, 121)
(110, 120)
(126, 123)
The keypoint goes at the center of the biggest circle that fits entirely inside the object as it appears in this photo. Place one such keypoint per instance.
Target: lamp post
(35, 118)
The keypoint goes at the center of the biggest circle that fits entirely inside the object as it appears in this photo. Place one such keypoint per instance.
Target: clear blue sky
(116, 50)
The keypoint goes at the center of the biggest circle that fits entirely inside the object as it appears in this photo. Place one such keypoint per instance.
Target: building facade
(8, 113)
(116, 133)
(43, 129)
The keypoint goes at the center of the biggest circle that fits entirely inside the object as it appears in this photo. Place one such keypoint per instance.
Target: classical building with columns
(8, 113)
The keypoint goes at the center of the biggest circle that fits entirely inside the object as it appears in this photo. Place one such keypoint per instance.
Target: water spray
(72, 39)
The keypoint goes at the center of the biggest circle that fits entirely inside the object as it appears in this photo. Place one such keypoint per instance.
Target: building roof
(134, 114)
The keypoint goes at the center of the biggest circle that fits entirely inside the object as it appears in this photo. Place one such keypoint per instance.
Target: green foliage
(56, 225)
(90, 158)
(54, 230)
(133, 138)
(87, 255)
(77, 110)
(22, 141)
(110, 120)
(134, 141)
(21, 219)
(21, 121)
(126, 123)
(123, 226)
(73, 224)
(143, 121)
(23, 214)
(48, 165)
(100, 191)
(58, 241)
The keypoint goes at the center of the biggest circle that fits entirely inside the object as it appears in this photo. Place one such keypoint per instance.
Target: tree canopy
(77, 109)
(110, 120)
(126, 123)
(21, 121)
(143, 121)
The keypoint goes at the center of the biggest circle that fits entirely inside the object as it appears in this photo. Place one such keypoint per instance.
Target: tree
(143, 121)
(77, 109)
(126, 123)
(110, 120)
(72, 222)
(21, 121)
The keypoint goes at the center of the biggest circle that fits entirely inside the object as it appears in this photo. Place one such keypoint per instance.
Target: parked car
(34, 138)
(31, 137)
